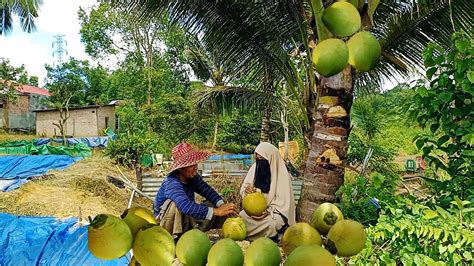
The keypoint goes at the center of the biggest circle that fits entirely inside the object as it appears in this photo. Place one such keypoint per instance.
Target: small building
(19, 115)
(88, 121)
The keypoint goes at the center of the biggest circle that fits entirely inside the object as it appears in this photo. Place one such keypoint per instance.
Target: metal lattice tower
(59, 46)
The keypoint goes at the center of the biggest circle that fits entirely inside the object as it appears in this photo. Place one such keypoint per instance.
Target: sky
(34, 50)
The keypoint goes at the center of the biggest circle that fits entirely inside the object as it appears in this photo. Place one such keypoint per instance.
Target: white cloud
(22, 50)
(34, 50)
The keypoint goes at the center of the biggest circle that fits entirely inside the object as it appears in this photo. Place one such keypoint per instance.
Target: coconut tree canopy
(26, 10)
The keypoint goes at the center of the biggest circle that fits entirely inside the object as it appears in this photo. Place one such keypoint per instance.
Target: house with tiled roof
(18, 115)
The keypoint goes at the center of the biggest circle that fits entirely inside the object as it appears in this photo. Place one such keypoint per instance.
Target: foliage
(78, 79)
(414, 233)
(11, 77)
(26, 10)
(362, 199)
(148, 52)
(446, 106)
(128, 149)
(239, 129)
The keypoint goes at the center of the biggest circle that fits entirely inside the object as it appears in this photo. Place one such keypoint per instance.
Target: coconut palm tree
(26, 10)
(252, 35)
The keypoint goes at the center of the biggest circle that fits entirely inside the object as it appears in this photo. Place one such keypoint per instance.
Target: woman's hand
(250, 189)
(261, 217)
(225, 210)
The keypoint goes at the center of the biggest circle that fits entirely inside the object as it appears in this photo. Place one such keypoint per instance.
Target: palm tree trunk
(265, 129)
(324, 172)
(216, 127)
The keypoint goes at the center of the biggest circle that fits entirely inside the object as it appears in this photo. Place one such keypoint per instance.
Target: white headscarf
(280, 197)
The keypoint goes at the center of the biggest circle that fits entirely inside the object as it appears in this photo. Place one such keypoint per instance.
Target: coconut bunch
(303, 245)
(349, 45)
(111, 237)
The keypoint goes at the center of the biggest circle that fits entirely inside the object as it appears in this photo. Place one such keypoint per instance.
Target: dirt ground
(81, 190)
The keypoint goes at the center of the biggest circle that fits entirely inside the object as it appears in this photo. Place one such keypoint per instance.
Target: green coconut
(342, 19)
(143, 213)
(254, 204)
(234, 228)
(153, 245)
(364, 51)
(346, 238)
(192, 248)
(262, 252)
(299, 234)
(325, 216)
(133, 221)
(310, 256)
(225, 252)
(330, 57)
(108, 237)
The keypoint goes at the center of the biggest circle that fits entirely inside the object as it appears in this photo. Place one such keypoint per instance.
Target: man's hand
(250, 189)
(225, 210)
(261, 217)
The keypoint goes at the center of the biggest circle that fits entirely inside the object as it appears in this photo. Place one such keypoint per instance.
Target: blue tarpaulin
(89, 141)
(27, 240)
(15, 170)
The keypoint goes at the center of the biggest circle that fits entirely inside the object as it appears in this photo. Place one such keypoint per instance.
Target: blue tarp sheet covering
(217, 157)
(26, 240)
(90, 141)
(15, 170)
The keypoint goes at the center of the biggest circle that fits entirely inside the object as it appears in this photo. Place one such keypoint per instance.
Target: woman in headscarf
(270, 176)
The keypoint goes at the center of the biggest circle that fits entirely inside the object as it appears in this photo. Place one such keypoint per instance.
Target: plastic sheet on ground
(27, 240)
(92, 142)
(79, 149)
(16, 170)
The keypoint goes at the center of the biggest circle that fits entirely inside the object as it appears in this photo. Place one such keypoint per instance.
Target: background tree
(11, 78)
(68, 85)
(138, 45)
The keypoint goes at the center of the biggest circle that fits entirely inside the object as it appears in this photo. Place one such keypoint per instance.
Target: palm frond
(6, 20)
(407, 32)
(26, 10)
(223, 99)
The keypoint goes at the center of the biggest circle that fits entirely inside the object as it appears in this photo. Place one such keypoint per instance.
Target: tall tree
(11, 78)
(115, 31)
(68, 85)
(26, 10)
(250, 34)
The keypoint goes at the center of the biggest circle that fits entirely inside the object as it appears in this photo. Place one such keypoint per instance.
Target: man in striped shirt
(175, 207)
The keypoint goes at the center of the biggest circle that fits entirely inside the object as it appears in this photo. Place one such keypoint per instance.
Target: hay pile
(80, 191)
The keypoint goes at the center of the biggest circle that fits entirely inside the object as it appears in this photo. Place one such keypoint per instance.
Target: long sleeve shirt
(182, 194)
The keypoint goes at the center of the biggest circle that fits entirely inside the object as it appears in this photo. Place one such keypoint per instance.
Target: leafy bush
(362, 199)
(445, 107)
(414, 234)
(129, 149)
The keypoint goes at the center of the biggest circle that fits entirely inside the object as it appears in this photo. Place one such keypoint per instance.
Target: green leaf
(467, 255)
(470, 76)
(468, 138)
(442, 249)
(469, 153)
(442, 140)
(445, 96)
(422, 91)
(462, 44)
(434, 127)
(430, 72)
(430, 214)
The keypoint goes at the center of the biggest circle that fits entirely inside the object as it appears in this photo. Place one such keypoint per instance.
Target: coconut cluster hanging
(362, 50)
